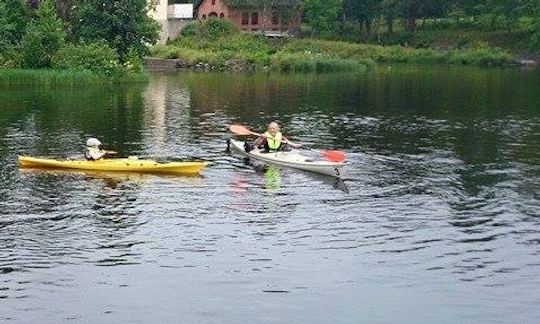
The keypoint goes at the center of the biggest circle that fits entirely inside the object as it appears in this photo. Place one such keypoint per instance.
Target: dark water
(439, 221)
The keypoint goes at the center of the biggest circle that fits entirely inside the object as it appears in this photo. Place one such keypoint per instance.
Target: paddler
(273, 140)
(93, 151)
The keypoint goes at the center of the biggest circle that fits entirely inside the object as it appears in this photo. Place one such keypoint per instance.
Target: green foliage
(309, 55)
(61, 78)
(13, 21)
(96, 57)
(124, 24)
(305, 62)
(45, 35)
(191, 29)
(133, 63)
(11, 58)
(214, 28)
(7, 27)
(321, 14)
(534, 43)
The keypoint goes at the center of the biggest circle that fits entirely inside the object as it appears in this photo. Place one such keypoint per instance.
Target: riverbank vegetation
(60, 43)
(217, 44)
(513, 25)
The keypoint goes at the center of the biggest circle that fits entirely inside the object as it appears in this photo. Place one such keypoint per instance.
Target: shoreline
(44, 77)
(156, 64)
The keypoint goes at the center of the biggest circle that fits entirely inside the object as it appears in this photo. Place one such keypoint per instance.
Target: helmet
(93, 142)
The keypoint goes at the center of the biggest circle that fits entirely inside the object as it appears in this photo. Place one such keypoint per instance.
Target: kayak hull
(120, 165)
(292, 159)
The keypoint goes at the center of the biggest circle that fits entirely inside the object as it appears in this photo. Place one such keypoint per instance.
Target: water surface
(438, 220)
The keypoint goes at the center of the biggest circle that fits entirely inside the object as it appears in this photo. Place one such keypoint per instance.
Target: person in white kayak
(273, 140)
(94, 152)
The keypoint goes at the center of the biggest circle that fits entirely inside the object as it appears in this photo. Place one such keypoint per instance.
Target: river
(438, 220)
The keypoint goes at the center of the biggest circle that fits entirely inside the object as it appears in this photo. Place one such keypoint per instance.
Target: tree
(534, 7)
(363, 12)
(44, 36)
(13, 21)
(65, 10)
(123, 24)
(390, 11)
(510, 10)
(7, 27)
(321, 15)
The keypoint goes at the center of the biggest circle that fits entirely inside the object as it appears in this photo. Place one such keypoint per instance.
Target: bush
(96, 57)
(133, 63)
(11, 59)
(190, 30)
(215, 28)
(307, 55)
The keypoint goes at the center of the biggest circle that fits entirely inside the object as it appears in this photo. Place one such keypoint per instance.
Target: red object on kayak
(334, 156)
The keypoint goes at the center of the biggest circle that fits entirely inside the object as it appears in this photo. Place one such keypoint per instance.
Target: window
(204, 16)
(275, 18)
(222, 15)
(254, 18)
(212, 14)
(245, 18)
(213, 2)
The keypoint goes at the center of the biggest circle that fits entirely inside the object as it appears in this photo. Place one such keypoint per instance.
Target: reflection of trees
(57, 121)
(400, 109)
(64, 117)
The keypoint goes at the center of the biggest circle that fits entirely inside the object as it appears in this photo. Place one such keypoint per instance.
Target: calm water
(438, 222)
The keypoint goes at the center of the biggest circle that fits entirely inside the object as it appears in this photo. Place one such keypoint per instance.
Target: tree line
(48, 33)
(368, 16)
(324, 15)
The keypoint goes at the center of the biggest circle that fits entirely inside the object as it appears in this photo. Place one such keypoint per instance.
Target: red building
(253, 19)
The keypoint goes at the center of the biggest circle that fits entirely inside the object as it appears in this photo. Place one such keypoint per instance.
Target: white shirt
(94, 153)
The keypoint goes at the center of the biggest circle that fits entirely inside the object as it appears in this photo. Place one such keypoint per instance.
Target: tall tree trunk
(390, 25)
(368, 25)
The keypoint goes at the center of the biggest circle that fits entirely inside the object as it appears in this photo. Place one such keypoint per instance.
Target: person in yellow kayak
(273, 140)
(94, 152)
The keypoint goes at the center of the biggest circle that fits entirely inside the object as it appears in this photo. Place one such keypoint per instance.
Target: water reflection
(439, 211)
(272, 177)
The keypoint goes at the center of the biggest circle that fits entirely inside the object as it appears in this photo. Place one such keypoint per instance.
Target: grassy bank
(241, 51)
(441, 34)
(62, 78)
(203, 46)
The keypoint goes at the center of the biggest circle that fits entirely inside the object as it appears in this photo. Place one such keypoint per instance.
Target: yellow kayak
(123, 165)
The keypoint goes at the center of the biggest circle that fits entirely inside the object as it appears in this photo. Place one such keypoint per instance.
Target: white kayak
(291, 159)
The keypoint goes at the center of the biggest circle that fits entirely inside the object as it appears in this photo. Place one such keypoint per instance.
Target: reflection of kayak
(292, 159)
(124, 165)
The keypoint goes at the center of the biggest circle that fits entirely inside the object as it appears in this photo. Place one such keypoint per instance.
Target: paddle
(241, 130)
(330, 155)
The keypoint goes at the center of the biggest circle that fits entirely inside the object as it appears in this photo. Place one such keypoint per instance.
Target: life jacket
(274, 142)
